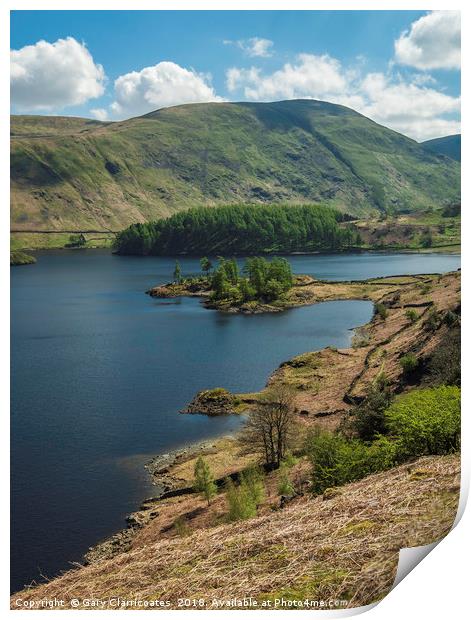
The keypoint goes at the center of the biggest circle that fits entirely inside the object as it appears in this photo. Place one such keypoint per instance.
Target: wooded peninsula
(240, 229)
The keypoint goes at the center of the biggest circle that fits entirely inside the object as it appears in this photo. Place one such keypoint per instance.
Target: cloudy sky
(400, 68)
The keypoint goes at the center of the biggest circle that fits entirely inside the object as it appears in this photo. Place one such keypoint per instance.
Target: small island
(270, 286)
(261, 286)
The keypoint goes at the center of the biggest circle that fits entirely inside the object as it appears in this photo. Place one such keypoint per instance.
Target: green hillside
(78, 174)
(448, 145)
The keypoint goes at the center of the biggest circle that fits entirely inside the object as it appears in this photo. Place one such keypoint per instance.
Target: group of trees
(420, 422)
(243, 495)
(383, 432)
(240, 229)
(261, 280)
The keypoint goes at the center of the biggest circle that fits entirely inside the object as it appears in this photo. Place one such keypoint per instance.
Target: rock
(286, 499)
(165, 291)
(217, 401)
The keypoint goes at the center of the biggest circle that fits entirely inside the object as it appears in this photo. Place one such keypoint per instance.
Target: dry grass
(345, 547)
(223, 459)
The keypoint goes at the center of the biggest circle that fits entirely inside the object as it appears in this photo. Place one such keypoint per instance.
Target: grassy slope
(448, 145)
(343, 548)
(20, 258)
(405, 231)
(78, 174)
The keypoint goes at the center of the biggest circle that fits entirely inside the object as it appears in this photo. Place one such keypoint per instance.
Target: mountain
(448, 145)
(79, 174)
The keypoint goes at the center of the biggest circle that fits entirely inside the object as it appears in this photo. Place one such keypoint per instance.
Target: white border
(439, 587)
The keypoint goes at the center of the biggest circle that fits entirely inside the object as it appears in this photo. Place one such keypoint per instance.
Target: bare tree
(270, 425)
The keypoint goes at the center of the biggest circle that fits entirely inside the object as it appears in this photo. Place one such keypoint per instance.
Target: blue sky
(400, 68)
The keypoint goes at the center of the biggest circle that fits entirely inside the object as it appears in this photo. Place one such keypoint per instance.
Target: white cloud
(311, 76)
(414, 110)
(51, 76)
(255, 46)
(162, 85)
(433, 42)
(99, 113)
(410, 107)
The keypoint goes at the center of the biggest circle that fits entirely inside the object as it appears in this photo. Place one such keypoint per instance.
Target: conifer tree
(177, 273)
(204, 481)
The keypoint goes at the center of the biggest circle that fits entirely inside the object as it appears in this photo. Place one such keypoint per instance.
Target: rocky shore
(161, 470)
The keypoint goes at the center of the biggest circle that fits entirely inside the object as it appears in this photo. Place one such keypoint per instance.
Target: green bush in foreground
(422, 422)
(337, 460)
(426, 421)
(252, 480)
(240, 503)
(244, 498)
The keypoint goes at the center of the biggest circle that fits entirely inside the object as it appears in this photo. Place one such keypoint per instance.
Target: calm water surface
(100, 371)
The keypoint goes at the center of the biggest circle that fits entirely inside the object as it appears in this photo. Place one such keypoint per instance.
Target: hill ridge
(72, 173)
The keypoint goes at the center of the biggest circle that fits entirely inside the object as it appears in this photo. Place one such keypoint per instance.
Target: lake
(100, 372)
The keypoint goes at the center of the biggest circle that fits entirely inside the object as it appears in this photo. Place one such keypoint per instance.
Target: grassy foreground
(343, 549)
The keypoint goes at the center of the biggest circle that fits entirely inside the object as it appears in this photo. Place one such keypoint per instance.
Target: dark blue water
(100, 371)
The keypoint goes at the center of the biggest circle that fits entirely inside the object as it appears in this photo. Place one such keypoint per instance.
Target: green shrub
(241, 504)
(181, 527)
(337, 460)
(285, 486)
(426, 421)
(381, 310)
(412, 315)
(426, 239)
(252, 481)
(433, 321)
(451, 318)
(289, 460)
(409, 363)
(76, 241)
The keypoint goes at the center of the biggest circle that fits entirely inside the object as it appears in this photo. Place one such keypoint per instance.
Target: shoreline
(159, 469)
(305, 291)
(453, 248)
(163, 468)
